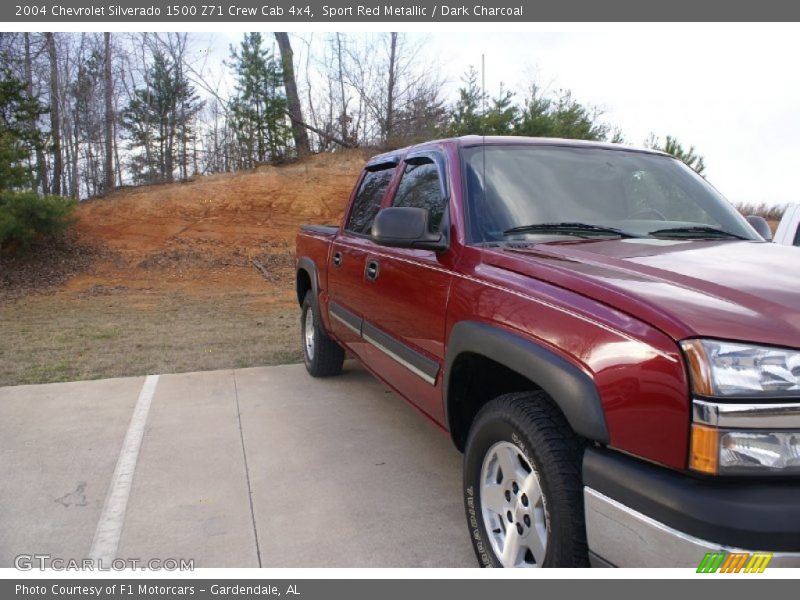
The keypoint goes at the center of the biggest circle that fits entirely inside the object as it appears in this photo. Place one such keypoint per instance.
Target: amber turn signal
(699, 371)
(704, 449)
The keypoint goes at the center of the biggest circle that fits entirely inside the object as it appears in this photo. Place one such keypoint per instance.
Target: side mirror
(761, 226)
(406, 227)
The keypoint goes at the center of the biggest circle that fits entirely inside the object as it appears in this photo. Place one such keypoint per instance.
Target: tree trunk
(170, 147)
(116, 154)
(41, 168)
(290, 83)
(74, 184)
(55, 116)
(108, 185)
(329, 137)
(343, 114)
(391, 85)
(184, 153)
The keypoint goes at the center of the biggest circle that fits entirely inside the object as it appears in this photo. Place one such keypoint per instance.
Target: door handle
(371, 272)
(337, 259)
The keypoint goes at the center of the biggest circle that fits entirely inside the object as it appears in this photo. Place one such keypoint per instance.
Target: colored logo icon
(734, 562)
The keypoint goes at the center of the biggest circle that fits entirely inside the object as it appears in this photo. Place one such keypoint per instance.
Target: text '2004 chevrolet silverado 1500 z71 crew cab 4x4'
(612, 346)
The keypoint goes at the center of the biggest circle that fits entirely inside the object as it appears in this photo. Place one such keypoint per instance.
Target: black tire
(326, 357)
(533, 425)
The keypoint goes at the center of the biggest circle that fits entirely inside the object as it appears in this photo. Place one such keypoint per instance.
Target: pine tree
(501, 117)
(467, 114)
(539, 115)
(159, 120)
(259, 108)
(671, 146)
(561, 116)
(20, 139)
(475, 113)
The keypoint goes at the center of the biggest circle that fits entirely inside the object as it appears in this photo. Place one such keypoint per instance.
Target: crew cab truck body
(613, 348)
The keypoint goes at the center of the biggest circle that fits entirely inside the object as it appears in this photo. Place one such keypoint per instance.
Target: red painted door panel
(407, 301)
(345, 284)
(405, 293)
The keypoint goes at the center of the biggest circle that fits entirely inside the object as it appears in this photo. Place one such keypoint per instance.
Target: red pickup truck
(613, 347)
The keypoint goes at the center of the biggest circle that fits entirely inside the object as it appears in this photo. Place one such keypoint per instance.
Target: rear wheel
(323, 356)
(522, 485)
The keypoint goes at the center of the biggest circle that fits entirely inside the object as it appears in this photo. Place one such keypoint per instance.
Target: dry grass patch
(112, 332)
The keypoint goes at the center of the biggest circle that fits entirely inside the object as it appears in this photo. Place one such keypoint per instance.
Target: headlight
(732, 452)
(731, 435)
(731, 369)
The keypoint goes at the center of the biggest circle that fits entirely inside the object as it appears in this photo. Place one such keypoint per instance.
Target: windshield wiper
(568, 228)
(697, 232)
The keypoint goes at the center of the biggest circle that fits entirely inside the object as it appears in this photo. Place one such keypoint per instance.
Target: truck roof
(494, 140)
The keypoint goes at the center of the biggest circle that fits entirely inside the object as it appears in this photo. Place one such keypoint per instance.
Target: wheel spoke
(532, 489)
(509, 463)
(511, 548)
(492, 498)
(535, 542)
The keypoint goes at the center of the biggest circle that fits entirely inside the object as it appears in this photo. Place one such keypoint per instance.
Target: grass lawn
(113, 332)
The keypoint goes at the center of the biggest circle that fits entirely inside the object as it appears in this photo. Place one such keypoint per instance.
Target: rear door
(405, 292)
(349, 250)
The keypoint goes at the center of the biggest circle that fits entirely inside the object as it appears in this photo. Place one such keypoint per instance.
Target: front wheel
(522, 485)
(323, 356)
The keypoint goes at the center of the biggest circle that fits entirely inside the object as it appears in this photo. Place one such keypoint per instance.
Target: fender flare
(305, 263)
(571, 388)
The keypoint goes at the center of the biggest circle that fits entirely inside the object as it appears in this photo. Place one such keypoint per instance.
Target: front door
(405, 295)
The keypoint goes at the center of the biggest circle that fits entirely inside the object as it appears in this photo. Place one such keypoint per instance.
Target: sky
(735, 97)
(733, 92)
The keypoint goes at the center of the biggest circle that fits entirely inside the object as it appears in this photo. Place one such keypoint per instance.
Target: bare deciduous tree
(55, 124)
(340, 90)
(108, 92)
(293, 99)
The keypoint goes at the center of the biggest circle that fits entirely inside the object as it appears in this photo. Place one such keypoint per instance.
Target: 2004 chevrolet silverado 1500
(612, 346)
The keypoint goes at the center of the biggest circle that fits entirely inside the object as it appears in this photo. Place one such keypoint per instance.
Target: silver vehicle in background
(788, 232)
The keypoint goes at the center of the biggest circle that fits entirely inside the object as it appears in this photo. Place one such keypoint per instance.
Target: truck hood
(736, 290)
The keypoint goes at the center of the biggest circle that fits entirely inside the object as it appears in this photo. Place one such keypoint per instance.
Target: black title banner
(342, 11)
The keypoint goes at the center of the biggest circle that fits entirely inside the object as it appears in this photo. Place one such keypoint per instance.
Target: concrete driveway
(239, 468)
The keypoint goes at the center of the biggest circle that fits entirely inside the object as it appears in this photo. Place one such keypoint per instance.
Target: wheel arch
(514, 363)
(306, 278)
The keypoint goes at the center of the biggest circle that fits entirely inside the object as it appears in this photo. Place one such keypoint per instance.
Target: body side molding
(350, 320)
(416, 362)
(572, 389)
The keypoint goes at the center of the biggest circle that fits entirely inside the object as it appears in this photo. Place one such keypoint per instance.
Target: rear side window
(368, 201)
(797, 237)
(420, 187)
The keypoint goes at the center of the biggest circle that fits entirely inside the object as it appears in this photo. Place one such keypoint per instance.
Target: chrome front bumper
(624, 537)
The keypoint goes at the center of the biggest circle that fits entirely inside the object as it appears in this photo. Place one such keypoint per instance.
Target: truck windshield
(513, 188)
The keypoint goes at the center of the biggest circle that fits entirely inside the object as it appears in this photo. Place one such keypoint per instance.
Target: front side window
(420, 187)
(368, 199)
(637, 192)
